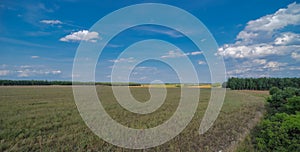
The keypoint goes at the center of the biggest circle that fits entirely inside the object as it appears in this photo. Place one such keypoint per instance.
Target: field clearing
(46, 119)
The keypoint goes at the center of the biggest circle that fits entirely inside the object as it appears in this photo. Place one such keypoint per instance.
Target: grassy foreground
(46, 119)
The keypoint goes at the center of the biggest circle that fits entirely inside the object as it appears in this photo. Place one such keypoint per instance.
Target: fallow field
(45, 118)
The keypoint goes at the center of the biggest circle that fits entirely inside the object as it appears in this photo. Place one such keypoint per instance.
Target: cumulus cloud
(265, 36)
(195, 53)
(295, 56)
(27, 71)
(288, 38)
(24, 73)
(130, 59)
(4, 72)
(201, 62)
(280, 19)
(36, 72)
(257, 68)
(34, 57)
(243, 51)
(52, 22)
(173, 54)
(56, 72)
(255, 50)
(274, 65)
(177, 53)
(144, 70)
(294, 68)
(83, 35)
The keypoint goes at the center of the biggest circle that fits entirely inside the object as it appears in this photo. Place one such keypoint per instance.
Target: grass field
(201, 86)
(46, 119)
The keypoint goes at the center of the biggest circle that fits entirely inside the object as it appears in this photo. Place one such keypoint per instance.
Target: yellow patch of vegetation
(201, 86)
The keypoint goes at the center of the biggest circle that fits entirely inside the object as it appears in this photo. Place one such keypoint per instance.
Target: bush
(289, 92)
(297, 92)
(279, 99)
(280, 132)
(293, 105)
(274, 90)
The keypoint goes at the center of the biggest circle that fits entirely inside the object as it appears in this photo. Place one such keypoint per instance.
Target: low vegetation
(280, 129)
(45, 118)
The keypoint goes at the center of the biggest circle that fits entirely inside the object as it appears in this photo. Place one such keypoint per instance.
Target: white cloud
(255, 50)
(177, 53)
(24, 66)
(260, 61)
(56, 72)
(173, 54)
(238, 71)
(22, 73)
(288, 39)
(28, 71)
(295, 56)
(4, 72)
(130, 59)
(83, 35)
(34, 57)
(142, 68)
(52, 22)
(201, 62)
(294, 68)
(280, 19)
(246, 35)
(273, 65)
(36, 72)
(171, 33)
(195, 53)
(264, 36)
(243, 51)
(143, 78)
(256, 68)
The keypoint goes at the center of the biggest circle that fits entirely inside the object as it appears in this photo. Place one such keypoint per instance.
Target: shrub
(274, 90)
(279, 99)
(293, 105)
(280, 132)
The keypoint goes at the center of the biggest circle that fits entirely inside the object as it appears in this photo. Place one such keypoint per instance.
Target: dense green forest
(261, 83)
(45, 82)
(280, 129)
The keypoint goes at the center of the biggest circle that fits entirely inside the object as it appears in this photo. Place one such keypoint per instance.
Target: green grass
(46, 119)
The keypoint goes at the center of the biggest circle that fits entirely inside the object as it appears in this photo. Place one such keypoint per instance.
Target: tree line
(261, 83)
(45, 82)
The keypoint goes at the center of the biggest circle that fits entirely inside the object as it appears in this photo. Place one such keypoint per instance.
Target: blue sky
(39, 39)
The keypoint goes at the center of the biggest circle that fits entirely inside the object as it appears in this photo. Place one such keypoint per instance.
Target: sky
(257, 38)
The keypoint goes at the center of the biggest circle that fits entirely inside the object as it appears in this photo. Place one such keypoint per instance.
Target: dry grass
(206, 86)
(46, 119)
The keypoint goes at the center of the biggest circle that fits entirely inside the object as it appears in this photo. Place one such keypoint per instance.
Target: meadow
(45, 118)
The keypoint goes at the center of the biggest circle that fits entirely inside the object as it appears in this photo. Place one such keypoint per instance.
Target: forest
(261, 83)
(45, 82)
